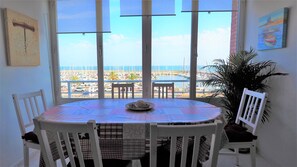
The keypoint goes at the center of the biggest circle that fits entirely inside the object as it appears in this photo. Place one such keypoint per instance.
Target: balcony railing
(89, 88)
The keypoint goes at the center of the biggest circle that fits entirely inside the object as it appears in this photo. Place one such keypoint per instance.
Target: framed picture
(22, 39)
(272, 30)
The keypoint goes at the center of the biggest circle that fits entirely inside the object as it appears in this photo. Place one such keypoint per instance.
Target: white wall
(278, 137)
(21, 79)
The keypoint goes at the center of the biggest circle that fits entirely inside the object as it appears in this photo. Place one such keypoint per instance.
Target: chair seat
(31, 136)
(237, 133)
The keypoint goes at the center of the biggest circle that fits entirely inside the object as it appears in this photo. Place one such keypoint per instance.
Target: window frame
(146, 52)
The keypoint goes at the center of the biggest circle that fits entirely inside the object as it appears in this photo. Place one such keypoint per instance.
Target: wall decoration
(272, 30)
(22, 39)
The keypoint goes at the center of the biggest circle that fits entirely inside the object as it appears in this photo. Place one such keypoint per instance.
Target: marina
(82, 81)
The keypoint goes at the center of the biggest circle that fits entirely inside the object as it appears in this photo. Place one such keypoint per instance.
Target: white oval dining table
(115, 111)
(124, 133)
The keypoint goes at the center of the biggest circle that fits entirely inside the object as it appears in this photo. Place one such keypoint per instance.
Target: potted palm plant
(235, 74)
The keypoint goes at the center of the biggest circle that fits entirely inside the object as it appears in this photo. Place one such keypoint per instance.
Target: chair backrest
(66, 138)
(162, 90)
(195, 132)
(28, 106)
(251, 108)
(123, 90)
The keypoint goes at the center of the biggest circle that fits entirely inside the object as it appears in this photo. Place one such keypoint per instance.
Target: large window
(140, 49)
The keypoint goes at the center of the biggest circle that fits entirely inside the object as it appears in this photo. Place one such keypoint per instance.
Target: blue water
(170, 77)
(176, 78)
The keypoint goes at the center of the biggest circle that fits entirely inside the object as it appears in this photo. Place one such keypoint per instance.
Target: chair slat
(37, 106)
(251, 107)
(247, 107)
(119, 92)
(96, 152)
(133, 92)
(68, 148)
(159, 91)
(184, 151)
(27, 111)
(47, 150)
(112, 91)
(32, 106)
(60, 149)
(153, 145)
(78, 149)
(172, 151)
(251, 114)
(196, 148)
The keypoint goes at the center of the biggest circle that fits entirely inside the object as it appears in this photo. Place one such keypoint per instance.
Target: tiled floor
(224, 161)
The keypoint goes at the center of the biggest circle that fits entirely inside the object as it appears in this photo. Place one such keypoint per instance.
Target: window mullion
(194, 46)
(146, 56)
(100, 66)
(240, 26)
(100, 69)
(54, 50)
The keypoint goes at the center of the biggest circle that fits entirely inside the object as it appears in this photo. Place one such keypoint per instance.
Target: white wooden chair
(163, 90)
(28, 106)
(197, 131)
(250, 112)
(122, 90)
(68, 133)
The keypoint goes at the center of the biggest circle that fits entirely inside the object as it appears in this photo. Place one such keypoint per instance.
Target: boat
(270, 39)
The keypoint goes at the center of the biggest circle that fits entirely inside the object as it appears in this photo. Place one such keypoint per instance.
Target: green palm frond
(238, 72)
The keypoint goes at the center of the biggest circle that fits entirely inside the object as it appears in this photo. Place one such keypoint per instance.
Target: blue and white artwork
(272, 30)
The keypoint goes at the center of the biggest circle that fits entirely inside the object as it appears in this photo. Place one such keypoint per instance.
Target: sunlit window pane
(171, 38)
(122, 50)
(214, 31)
(78, 65)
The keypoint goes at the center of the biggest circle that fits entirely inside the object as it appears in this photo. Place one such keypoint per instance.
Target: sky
(170, 40)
